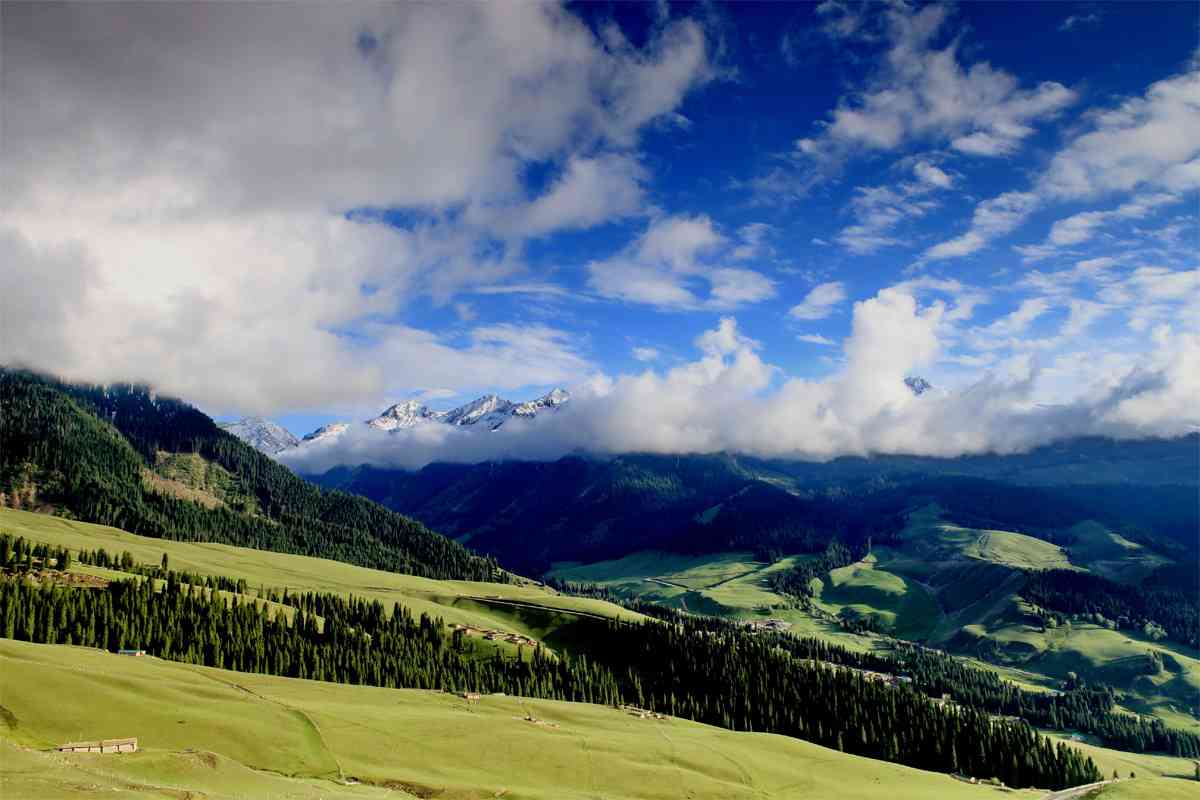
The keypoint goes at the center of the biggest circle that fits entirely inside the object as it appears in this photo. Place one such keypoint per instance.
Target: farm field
(233, 734)
(507, 607)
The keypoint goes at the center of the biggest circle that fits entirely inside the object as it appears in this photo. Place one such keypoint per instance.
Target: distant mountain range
(486, 413)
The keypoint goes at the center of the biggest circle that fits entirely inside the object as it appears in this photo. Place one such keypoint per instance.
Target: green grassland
(1111, 555)
(1148, 789)
(524, 608)
(901, 604)
(1144, 765)
(954, 587)
(729, 585)
(229, 734)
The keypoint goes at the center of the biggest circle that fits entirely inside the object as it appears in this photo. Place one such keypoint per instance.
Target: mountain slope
(581, 508)
(261, 434)
(88, 450)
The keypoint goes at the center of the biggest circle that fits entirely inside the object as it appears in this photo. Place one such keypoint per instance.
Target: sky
(722, 227)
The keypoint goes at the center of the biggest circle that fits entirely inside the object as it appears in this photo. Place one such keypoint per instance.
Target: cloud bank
(730, 399)
(209, 186)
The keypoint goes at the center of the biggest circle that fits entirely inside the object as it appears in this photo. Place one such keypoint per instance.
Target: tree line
(1148, 607)
(722, 677)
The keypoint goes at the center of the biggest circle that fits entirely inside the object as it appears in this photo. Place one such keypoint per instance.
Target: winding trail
(1075, 791)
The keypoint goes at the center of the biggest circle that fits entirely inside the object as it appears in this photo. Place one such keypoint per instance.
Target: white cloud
(1081, 315)
(646, 353)
(820, 302)
(932, 175)
(753, 241)
(992, 218)
(1080, 20)
(1142, 142)
(590, 191)
(922, 93)
(879, 209)
(1082, 227)
(1020, 319)
(675, 264)
(816, 338)
(186, 171)
(730, 399)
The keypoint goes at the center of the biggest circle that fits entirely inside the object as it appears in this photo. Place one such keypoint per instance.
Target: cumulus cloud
(1140, 145)
(646, 353)
(820, 302)
(730, 399)
(1142, 142)
(879, 209)
(995, 217)
(676, 264)
(1081, 227)
(923, 93)
(224, 189)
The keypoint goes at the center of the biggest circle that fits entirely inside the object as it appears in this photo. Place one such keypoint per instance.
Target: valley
(749, 576)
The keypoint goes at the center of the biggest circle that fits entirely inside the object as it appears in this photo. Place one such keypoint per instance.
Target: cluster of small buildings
(772, 624)
(495, 636)
(885, 678)
(642, 713)
(100, 746)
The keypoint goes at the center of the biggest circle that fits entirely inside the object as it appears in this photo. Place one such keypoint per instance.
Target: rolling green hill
(520, 607)
(234, 735)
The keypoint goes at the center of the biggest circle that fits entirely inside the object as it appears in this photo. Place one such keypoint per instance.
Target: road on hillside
(1075, 792)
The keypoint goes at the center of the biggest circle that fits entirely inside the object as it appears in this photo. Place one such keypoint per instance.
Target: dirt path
(1075, 791)
(298, 712)
(662, 582)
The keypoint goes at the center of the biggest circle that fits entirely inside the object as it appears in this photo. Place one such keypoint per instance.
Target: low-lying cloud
(730, 399)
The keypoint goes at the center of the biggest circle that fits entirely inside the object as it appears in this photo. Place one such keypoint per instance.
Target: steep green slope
(297, 573)
(87, 450)
(424, 744)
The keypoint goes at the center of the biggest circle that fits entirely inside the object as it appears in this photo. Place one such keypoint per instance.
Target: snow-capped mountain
(330, 431)
(917, 385)
(486, 413)
(402, 415)
(553, 399)
(262, 434)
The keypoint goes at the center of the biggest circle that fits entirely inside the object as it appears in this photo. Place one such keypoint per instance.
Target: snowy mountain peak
(918, 385)
(552, 399)
(261, 434)
(486, 413)
(330, 431)
(489, 411)
(402, 415)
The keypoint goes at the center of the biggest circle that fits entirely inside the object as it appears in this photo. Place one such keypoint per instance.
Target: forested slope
(88, 450)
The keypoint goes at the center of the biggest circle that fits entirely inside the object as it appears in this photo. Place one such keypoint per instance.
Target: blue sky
(309, 216)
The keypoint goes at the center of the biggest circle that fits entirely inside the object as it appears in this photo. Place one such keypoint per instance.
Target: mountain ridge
(487, 412)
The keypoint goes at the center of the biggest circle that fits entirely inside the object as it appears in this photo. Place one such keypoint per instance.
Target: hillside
(585, 509)
(251, 730)
(955, 588)
(123, 456)
(492, 606)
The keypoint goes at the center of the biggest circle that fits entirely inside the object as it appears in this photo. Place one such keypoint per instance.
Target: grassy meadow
(229, 734)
